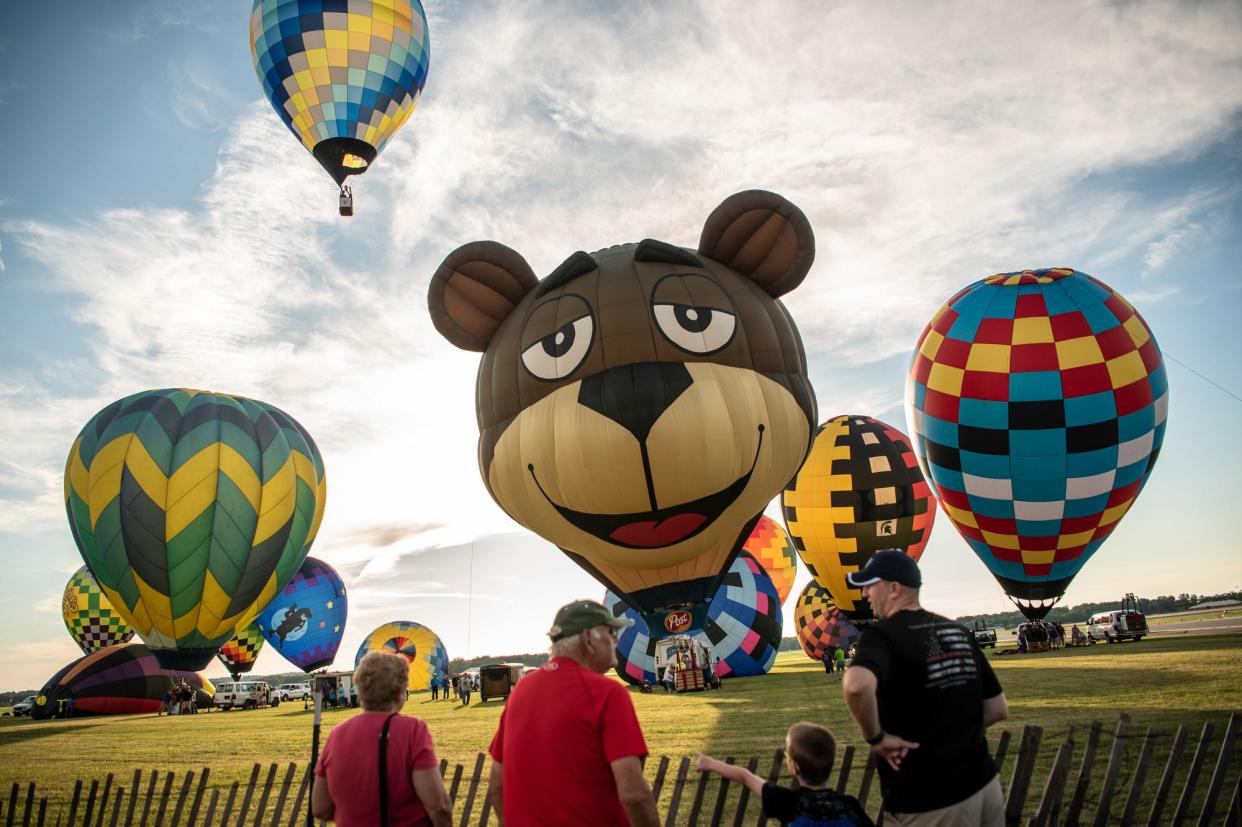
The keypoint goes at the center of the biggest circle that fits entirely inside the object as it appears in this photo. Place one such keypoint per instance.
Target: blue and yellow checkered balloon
(344, 75)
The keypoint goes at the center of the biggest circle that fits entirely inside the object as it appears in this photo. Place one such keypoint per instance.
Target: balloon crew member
(922, 695)
(810, 751)
(569, 748)
(380, 767)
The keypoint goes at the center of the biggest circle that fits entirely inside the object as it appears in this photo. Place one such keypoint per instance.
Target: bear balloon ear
(475, 289)
(762, 236)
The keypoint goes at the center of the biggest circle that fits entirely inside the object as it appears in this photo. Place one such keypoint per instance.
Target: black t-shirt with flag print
(804, 807)
(932, 683)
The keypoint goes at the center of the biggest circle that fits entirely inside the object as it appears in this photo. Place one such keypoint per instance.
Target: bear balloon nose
(635, 396)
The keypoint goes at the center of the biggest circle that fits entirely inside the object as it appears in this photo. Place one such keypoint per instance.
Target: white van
(1117, 626)
(293, 691)
(244, 695)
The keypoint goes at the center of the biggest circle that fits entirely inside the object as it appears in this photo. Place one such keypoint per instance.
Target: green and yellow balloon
(89, 617)
(192, 509)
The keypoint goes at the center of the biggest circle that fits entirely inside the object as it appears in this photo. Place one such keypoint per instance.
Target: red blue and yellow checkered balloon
(1037, 401)
(343, 75)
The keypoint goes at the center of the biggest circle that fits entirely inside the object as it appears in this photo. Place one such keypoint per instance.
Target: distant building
(1217, 604)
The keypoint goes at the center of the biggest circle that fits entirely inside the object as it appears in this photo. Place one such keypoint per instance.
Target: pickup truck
(984, 636)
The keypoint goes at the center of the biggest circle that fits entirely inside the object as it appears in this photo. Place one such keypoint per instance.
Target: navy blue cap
(888, 564)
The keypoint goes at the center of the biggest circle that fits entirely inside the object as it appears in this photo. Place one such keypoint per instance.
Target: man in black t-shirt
(922, 694)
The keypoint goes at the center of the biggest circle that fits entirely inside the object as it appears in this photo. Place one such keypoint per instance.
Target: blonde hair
(381, 678)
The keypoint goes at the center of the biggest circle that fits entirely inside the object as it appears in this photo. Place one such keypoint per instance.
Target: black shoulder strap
(383, 771)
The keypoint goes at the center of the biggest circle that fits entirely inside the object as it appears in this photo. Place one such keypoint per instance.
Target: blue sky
(159, 227)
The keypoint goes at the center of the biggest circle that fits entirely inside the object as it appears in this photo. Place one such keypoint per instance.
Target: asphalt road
(1218, 625)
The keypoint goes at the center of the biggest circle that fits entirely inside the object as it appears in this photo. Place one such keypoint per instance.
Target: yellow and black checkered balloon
(89, 617)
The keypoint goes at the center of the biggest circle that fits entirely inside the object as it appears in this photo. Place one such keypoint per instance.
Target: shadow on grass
(18, 734)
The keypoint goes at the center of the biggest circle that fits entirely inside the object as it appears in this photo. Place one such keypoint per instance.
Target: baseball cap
(888, 564)
(580, 615)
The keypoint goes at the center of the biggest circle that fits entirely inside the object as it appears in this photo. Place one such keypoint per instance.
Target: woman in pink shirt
(347, 777)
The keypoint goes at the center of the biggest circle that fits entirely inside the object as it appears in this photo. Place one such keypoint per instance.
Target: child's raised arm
(705, 763)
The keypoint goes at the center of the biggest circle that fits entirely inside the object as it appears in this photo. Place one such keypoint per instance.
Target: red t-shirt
(350, 763)
(560, 730)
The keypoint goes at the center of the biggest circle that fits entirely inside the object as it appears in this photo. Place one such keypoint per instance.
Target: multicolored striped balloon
(769, 543)
(193, 510)
(124, 679)
(859, 491)
(306, 620)
(819, 624)
(89, 617)
(1037, 400)
(241, 651)
(414, 642)
(343, 75)
(743, 627)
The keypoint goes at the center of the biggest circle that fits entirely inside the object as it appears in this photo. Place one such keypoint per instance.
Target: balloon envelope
(124, 679)
(414, 642)
(192, 509)
(859, 491)
(306, 620)
(1037, 401)
(819, 624)
(89, 617)
(343, 75)
(240, 652)
(743, 627)
(769, 543)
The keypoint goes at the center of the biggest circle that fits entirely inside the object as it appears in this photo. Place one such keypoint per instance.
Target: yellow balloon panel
(420, 646)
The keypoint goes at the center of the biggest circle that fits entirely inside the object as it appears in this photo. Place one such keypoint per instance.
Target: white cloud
(929, 146)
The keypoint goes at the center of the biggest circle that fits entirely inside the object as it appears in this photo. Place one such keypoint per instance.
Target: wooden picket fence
(273, 799)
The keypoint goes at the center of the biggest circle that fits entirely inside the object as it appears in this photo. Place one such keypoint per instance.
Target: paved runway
(1218, 625)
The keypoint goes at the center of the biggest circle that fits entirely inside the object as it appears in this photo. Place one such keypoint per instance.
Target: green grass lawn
(1160, 683)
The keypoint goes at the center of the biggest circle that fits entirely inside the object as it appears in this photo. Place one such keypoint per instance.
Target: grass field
(1160, 683)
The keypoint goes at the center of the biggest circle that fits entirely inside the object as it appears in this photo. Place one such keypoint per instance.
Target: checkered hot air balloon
(89, 617)
(743, 627)
(859, 491)
(770, 545)
(241, 651)
(1037, 400)
(414, 642)
(306, 621)
(343, 75)
(819, 624)
(193, 510)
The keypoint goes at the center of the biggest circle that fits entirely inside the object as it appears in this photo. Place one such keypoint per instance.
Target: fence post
(773, 774)
(198, 797)
(266, 794)
(1054, 788)
(185, 792)
(721, 794)
(103, 801)
(472, 790)
(1192, 775)
(211, 808)
(1166, 780)
(245, 804)
(135, 789)
(457, 769)
(674, 803)
(279, 810)
(847, 759)
(1222, 768)
(864, 787)
(1140, 775)
(1084, 776)
(116, 806)
(1114, 767)
(228, 805)
(30, 788)
(661, 771)
(168, 782)
(744, 795)
(12, 811)
(700, 789)
(1002, 747)
(297, 816)
(90, 802)
(1028, 749)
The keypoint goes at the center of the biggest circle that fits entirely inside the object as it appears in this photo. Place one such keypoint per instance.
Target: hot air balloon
(343, 75)
(770, 545)
(241, 651)
(819, 624)
(640, 406)
(743, 627)
(123, 679)
(1037, 400)
(414, 642)
(193, 510)
(859, 491)
(306, 620)
(89, 617)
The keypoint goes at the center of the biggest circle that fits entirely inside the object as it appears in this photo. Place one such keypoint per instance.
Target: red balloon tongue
(653, 534)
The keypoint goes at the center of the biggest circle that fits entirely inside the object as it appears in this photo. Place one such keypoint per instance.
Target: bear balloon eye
(559, 354)
(696, 329)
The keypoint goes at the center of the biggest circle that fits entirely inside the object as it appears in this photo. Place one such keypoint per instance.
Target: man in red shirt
(569, 749)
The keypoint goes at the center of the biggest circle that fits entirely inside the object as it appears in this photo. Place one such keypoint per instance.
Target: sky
(159, 227)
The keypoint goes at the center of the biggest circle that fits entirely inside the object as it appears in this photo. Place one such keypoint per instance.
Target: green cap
(581, 615)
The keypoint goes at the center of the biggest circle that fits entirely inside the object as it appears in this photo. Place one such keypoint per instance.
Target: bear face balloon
(641, 405)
